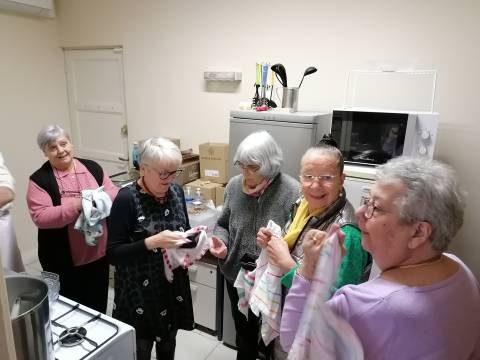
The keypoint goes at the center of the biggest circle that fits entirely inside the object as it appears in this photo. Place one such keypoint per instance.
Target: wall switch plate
(222, 75)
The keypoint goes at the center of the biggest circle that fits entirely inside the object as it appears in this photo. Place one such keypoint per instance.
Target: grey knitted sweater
(243, 215)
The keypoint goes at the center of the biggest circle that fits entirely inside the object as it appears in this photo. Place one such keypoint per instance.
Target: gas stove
(80, 333)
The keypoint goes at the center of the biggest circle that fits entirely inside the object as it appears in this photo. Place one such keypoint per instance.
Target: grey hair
(49, 134)
(433, 195)
(325, 150)
(158, 149)
(260, 149)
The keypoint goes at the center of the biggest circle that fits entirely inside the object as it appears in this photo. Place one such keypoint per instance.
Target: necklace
(434, 260)
(161, 200)
(63, 191)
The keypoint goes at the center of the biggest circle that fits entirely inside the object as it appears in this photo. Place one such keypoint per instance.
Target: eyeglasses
(249, 168)
(164, 175)
(370, 208)
(308, 180)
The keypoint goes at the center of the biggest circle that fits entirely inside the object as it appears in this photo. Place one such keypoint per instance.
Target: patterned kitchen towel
(261, 290)
(96, 205)
(321, 334)
(185, 257)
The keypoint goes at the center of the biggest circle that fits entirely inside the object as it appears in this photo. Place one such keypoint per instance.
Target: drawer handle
(192, 269)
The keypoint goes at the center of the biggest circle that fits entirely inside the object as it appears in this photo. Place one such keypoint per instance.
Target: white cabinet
(357, 189)
(203, 284)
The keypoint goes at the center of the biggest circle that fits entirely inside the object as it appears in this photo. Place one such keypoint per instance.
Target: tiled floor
(191, 345)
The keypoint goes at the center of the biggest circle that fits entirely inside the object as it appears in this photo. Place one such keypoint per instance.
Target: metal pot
(29, 313)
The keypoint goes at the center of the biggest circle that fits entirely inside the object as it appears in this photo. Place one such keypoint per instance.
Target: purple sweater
(394, 321)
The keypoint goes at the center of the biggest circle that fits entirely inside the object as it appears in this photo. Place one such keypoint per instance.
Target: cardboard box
(214, 162)
(191, 171)
(219, 194)
(174, 140)
(207, 188)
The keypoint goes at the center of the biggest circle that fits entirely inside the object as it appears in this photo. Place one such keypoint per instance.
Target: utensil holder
(290, 98)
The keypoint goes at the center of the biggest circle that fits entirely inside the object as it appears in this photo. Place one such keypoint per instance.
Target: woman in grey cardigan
(260, 193)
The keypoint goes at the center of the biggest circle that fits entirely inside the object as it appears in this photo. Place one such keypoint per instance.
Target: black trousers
(165, 349)
(86, 284)
(247, 338)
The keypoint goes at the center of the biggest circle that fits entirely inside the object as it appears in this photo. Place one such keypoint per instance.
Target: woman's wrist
(305, 272)
(149, 244)
(287, 265)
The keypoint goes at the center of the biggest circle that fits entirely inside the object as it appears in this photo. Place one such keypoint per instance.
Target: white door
(97, 106)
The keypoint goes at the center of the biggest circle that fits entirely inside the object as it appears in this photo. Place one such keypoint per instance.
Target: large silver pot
(29, 312)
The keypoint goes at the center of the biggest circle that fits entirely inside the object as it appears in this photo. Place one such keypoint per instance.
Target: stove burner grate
(72, 336)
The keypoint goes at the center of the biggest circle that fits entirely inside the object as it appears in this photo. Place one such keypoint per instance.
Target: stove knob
(425, 134)
(422, 150)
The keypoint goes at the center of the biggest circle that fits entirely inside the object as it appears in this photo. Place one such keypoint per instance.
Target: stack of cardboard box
(213, 172)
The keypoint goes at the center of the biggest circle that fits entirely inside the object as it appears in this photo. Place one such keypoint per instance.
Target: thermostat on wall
(222, 75)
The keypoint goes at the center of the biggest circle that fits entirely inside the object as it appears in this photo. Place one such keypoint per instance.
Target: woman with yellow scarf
(323, 203)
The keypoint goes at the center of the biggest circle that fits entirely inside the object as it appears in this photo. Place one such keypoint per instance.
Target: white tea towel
(96, 205)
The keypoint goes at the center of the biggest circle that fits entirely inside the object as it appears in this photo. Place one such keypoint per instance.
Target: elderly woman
(147, 216)
(425, 303)
(260, 193)
(323, 203)
(54, 199)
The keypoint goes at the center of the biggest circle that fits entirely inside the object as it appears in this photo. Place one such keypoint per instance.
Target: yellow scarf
(299, 221)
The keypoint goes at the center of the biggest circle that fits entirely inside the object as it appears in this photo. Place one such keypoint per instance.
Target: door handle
(124, 130)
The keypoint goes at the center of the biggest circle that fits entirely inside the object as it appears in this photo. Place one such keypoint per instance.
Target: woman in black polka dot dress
(146, 217)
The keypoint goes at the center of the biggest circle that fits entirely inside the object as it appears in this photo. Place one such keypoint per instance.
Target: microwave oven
(372, 137)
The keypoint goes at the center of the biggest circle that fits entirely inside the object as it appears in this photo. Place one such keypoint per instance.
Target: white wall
(32, 95)
(168, 45)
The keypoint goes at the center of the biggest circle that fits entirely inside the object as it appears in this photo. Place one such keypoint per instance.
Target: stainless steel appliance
(372, 137)
(228, 327)
(294, 132)
(82, 333)
(29, 312)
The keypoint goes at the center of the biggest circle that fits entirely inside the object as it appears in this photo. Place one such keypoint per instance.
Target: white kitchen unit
(358, 182)
(203, 284)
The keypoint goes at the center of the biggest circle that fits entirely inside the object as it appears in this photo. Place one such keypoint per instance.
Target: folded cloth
(96, 205)
(261, 290)
(321, 334)
(184, 257)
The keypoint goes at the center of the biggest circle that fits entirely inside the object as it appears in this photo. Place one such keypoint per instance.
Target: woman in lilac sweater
(425, 304)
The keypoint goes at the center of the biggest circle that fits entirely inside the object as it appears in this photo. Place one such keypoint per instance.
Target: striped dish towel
(321, 334)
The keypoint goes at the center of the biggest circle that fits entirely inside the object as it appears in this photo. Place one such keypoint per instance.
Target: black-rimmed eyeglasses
(164, 175)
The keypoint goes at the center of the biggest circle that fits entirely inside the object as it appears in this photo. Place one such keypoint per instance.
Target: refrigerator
(294, 133)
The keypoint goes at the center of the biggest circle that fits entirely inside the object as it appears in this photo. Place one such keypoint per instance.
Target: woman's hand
(312, 246)
(279, 254)
(263, 237)
(77, 204)
(218, 248)
(166, 239)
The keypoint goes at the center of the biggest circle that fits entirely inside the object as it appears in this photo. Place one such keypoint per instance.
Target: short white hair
(260, 149)
(49, 134)
(433, 195)
(158, 149)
